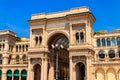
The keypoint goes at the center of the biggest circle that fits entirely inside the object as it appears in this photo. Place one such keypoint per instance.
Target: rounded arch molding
(55, 35)
(57, 32)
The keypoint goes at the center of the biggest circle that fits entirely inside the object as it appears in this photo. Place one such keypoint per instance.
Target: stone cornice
(66, 17)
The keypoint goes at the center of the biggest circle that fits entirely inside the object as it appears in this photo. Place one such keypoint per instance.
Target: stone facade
(62, 46)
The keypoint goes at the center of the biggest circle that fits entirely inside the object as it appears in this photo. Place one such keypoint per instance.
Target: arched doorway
(23, 75)
(37, 72)
(9, 75)
(80, 71)
(59, 55)
(16, 75)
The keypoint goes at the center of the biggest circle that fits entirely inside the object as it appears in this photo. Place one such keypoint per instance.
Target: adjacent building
(62, 46)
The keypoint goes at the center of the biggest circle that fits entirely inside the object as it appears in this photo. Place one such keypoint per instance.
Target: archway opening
(59, 56)
(23, 75)
(80, 71)
(16, 75)
(37, 72)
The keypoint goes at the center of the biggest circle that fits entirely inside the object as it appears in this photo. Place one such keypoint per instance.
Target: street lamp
(56, 48)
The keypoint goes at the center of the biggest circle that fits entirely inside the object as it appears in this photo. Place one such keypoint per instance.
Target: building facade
(62, 46)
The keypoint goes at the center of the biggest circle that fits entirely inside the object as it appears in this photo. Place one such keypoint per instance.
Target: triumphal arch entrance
(61, 45)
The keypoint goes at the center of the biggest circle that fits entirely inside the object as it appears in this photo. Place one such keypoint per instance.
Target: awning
(9, 73)
(16, 73)
(24, 73)
(0, 73)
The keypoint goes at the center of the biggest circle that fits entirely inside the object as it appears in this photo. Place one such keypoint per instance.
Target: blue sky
(14, 14)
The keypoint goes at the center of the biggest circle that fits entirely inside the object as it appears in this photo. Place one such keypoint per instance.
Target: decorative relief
(36, 61)
(79, 59)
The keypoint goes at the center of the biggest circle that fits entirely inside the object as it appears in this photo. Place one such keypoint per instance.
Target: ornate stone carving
(79, 59)
(36, 61)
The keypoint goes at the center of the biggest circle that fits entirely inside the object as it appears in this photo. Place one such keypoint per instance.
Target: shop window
(77, 37)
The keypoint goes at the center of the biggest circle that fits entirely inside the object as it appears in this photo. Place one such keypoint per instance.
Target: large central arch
(62, 61)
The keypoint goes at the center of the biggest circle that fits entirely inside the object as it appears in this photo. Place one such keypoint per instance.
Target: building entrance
(80, 71)
(59, 56)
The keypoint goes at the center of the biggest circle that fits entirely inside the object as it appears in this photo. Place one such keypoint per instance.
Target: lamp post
(56, 48)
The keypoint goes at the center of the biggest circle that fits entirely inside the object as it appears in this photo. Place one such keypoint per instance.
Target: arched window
(111, 54)
(16, 48)
(9, 60)
(98, 43)
(0, 58)
(9, 75)
(113, 42)
(101, 54)
(3, 46)
(77, 37)
(20, 48)
(24, 58)
(23, 48)
(36, 40)
(118, 41)
(103, 42)
(17, 59)
(26, 47)
(40, 39)
(108, 42)
(82, 37)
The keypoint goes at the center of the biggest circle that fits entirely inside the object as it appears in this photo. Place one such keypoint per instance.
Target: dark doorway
(80, 71)
(37, 72)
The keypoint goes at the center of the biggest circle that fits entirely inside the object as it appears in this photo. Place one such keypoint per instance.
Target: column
(71, 69)
(70, 34)
(12, 74)
(6, 47)
(51, 72)
(19, 75)
(45, 69)
(25, 48)
(117, 75)
(87, 69)
(105, 74)
(42, 69)
(29, 70)
(4, 77)
(5, 58)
